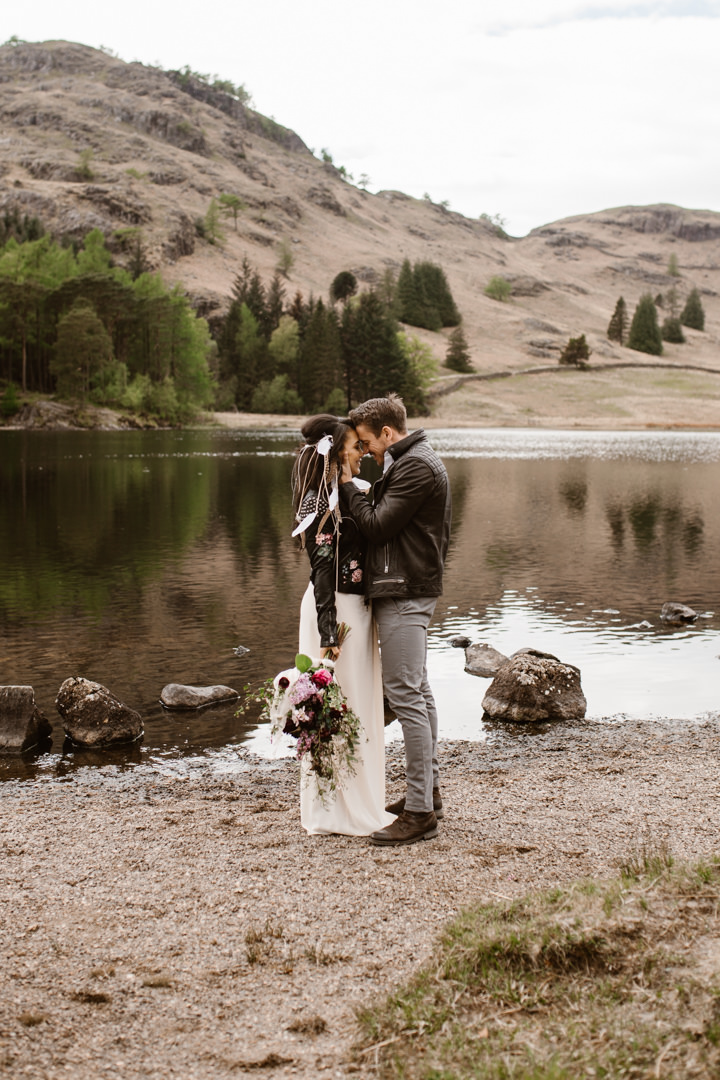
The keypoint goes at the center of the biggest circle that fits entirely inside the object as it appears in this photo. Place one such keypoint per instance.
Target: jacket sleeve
(323, 579)
(407, 488)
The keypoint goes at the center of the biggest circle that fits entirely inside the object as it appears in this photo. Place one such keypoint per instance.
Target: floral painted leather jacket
(337, 562)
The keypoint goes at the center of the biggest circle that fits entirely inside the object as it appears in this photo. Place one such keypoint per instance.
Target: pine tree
(437, 291)
(375, 364)
(319, 369)
(693, 314)
(617, 327)
(644, 331)
(409, 302)
(672, 331)
(457, 357)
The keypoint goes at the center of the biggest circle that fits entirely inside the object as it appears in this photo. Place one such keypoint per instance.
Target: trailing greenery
(594, 979)
(617, 327)
(644, 330)
(72, 323)
(693, 314)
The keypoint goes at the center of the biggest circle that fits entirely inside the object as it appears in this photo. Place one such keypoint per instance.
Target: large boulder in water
(179, 696)
(22, 725)
(92, 716)
(483, 660)
(533, 686)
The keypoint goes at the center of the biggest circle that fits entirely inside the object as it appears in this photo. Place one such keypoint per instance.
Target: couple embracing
(376, 566)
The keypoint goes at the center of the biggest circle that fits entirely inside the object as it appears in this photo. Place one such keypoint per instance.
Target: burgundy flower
(283, 683)
(322, 677)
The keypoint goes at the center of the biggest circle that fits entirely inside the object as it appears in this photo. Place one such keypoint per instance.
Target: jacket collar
(399, 448)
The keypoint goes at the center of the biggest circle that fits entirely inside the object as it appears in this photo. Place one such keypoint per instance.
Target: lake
(142, 558)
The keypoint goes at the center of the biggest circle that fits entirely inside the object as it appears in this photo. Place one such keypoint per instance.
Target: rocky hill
(87, 140)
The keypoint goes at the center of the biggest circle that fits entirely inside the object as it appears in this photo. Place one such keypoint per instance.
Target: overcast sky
(531, 109)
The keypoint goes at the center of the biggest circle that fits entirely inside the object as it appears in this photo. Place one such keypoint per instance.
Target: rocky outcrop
(534, 686)
(673, 614)
(180, 237)
(179, 696)
(664, 219)
(323, 197)
(483, 660)
(94, 717)
(22, 725)
(525, 285)
(118, 205)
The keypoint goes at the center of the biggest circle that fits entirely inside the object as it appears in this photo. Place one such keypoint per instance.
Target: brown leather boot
(408, 828)
(399, 806)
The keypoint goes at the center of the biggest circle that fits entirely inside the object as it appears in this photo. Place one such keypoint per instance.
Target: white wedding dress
(358, 807)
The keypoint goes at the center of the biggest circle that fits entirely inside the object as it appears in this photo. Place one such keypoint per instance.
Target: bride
(335, 595)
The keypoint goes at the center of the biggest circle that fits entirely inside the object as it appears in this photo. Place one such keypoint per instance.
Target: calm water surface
(142, 558)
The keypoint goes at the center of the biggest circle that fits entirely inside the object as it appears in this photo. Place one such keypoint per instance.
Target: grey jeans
(402, 627)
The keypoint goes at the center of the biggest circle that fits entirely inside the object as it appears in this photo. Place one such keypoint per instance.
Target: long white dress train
(358, 808)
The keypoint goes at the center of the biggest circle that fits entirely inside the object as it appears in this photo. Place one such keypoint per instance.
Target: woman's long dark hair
(309, 467)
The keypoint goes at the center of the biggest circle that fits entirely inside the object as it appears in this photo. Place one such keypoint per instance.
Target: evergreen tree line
(72, 323)
(423, 297)
(645, 333)
(308, 355)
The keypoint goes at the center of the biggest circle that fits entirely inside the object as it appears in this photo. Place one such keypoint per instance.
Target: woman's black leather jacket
(337, 563)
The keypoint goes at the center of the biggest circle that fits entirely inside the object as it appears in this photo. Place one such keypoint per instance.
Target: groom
(408, 527)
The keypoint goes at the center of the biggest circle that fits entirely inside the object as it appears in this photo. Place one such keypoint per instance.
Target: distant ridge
(89, 141)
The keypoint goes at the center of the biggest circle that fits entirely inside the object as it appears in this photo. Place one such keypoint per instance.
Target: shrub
(82, 169)
(134, 395)
(576, 352)
(161, 399)
(644, 332)
(336, 402)
(344, 286)
(275, 396)
(693, 314)
(673, 269)
(9, 402)
(672, 331)
(498, 288)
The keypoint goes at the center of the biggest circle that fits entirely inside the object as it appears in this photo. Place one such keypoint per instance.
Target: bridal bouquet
(307, 704)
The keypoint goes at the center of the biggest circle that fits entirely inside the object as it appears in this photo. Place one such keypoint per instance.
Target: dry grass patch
(593, 980)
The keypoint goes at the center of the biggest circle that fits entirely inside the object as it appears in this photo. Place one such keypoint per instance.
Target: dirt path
(157, 926)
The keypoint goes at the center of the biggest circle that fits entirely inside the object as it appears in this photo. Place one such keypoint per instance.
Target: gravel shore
(164, 926)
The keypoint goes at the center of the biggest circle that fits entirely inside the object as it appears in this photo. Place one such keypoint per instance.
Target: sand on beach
(167, 922)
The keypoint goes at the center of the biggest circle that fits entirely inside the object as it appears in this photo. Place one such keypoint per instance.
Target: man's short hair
(380, 412)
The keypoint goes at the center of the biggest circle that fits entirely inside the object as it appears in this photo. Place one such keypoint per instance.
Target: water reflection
(141, 558)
